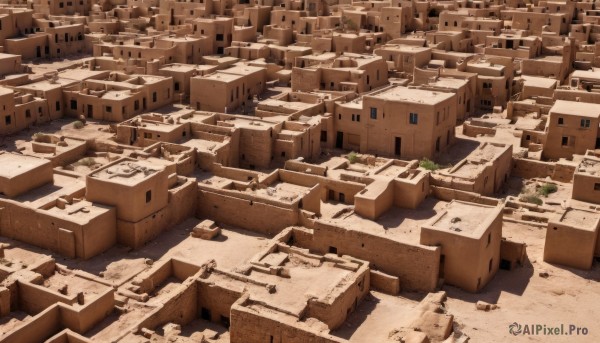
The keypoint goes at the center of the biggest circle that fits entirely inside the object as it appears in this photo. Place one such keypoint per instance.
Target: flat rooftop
(413, 95)
(589, 166)
(584, 220)
(583, 109)
(465, 219)
(12, 165)
(127, 172)
(541, 82)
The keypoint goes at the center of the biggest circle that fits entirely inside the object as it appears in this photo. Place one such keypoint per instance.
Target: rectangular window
(565, 141)
(8, 120)
(109, 109)
(219, 37)
(58, 105)
(148, 196)
(560, 121)
(585, 123)
(27, 113)
(373, 113)
(323, 136)
(74, 104)
(413, 118)
(597, 186)
(154, 97)
(358, 117)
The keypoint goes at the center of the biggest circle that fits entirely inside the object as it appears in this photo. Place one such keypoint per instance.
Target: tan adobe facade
(291, 171)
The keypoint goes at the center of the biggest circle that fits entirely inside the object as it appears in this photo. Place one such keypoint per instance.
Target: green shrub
(547, 189)
(37, 136)
(428, 164)
(352, 157)
(532, 199)
(78, 124)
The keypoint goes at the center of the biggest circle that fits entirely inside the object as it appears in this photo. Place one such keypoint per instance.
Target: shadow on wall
(367, 306)
(513, 281)
(395, 216)
(457, 152)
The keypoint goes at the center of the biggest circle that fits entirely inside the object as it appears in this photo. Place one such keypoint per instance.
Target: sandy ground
(376, 316)
(567, 296)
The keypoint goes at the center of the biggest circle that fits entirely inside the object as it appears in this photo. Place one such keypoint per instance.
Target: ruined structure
(298, 171)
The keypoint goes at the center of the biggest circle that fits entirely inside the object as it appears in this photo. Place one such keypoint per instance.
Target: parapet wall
(254, 323)
(449, 194)
(40, 228)
(417, 266)
(252, 215)
(529, 169)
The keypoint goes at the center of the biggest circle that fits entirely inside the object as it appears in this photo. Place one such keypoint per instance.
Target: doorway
(90, 111)
(339, 142)
(397, 146)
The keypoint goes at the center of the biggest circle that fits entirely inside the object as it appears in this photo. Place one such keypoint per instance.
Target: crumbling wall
(529, 169)
(252, 215)
(180, 308)
(83, 318)
(344, 300)
(251, 323)
(302, 167)
(33, 299)
(216, 299)
(474, 130)
(415, 265)
(449, 194)
(37, 329)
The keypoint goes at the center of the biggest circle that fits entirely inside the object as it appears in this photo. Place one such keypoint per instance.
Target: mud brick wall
(416, 266)
(251, 215)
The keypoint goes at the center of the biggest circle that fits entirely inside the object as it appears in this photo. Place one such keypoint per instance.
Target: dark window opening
(205, 313)
(505, 264)
(148, 196)
(225, 321)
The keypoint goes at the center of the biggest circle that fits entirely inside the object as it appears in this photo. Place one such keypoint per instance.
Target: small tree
(547, 189)
(352, 157)
(532, 199)
(37, 136)
(78, 124)
(429, 164)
